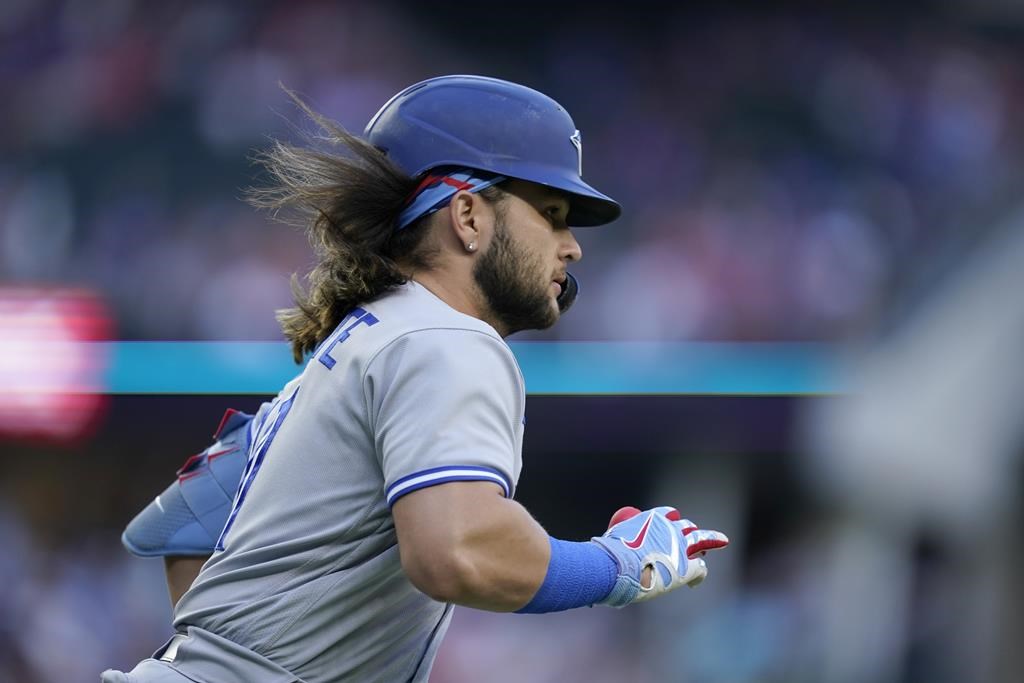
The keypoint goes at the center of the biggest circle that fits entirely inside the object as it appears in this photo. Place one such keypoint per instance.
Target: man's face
(521, 272)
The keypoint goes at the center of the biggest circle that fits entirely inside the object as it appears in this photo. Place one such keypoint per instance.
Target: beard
(510, 281)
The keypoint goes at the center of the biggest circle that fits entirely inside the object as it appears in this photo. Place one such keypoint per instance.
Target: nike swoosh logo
(639, 540)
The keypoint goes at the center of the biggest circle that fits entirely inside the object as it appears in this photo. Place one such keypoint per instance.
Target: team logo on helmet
(577, 142)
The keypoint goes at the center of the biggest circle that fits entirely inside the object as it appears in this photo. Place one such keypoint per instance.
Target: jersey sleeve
(446, 405)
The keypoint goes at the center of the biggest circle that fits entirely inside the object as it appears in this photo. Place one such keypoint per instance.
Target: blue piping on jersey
(440, 475)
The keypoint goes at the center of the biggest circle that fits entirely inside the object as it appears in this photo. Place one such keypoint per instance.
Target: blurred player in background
(376, 490)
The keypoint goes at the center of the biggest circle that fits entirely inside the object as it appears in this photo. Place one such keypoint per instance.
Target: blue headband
(438, 187)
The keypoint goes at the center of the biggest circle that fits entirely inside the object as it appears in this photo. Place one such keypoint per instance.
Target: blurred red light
(51, 371)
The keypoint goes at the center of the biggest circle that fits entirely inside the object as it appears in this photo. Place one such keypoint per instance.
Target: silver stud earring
(471, 246)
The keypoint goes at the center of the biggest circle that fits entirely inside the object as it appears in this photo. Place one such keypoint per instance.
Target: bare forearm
(506, 561)
(489, 553)
(181, 572)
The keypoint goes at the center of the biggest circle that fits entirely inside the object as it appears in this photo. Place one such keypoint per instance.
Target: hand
(651, 558)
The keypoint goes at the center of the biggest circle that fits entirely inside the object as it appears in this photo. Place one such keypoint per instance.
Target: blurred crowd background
(778, 170)
(797, 174)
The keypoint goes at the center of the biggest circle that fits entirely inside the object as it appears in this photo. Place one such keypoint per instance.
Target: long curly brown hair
(347, 196)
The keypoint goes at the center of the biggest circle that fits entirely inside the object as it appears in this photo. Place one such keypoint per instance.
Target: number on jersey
(263, 433)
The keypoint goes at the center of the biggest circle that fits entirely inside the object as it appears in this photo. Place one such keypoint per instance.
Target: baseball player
(376, 490)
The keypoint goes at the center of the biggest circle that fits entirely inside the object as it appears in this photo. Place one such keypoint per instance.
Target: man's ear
(470, 217)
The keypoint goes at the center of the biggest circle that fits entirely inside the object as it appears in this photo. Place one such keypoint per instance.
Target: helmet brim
(587, 206)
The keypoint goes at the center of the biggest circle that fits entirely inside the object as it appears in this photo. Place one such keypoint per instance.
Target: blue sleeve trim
(443, 475)
(579, 574)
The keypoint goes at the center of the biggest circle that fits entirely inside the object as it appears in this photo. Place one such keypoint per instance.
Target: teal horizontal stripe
(674, 368)
(159, 367)
(549, 368)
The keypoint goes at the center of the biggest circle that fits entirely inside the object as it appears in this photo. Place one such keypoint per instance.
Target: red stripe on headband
(432, 179)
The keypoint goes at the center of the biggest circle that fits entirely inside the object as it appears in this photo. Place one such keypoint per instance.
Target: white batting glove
(661, 539)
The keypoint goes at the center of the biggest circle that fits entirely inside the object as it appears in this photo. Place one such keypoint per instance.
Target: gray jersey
(406, 393)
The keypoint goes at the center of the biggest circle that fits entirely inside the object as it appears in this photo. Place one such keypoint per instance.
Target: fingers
(622, 514)
(699, 541)
(696, 570)
(668, 512)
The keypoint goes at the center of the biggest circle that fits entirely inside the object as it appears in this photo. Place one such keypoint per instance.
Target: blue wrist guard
(578, 574)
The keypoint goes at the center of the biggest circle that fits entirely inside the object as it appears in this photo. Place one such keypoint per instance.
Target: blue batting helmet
(490, 125)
